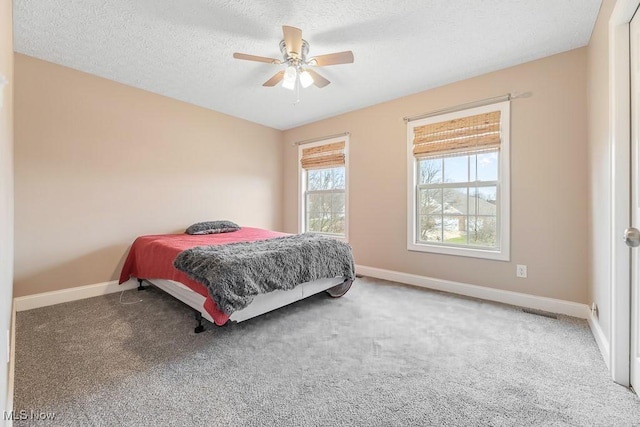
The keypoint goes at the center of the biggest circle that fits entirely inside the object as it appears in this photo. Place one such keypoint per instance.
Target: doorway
(623, 271)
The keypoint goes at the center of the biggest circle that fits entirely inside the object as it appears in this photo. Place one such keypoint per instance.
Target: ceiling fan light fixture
(306, 79)
(290, 75)
(288, 85)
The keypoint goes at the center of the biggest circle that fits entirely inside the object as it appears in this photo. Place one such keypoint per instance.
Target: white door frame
(620, 123)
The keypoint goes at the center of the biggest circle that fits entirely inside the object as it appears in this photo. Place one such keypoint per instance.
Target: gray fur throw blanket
(236, 272)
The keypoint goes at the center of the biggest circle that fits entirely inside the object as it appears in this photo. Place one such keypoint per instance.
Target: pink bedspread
(151, 257)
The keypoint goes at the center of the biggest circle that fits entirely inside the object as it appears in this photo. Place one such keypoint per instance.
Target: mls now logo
(24, 415)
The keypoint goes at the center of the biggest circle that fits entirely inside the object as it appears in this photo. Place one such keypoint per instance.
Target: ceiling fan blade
(345, 57)
(277, 78)
(293, 40)
(256, 58)
(318, 80)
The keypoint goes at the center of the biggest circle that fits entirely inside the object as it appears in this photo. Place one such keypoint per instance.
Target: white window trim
(302, 184)
(503, 191)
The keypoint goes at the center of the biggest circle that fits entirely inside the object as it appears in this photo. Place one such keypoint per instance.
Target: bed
(151, 261)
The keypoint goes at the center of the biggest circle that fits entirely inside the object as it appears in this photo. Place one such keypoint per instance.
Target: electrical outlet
(521, 271)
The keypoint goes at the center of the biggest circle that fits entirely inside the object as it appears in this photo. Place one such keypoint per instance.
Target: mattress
(151, 258)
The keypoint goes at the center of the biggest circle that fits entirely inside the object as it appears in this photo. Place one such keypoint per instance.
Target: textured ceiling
(183, 49)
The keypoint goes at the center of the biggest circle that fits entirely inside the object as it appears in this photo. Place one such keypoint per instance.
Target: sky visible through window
(480, 167)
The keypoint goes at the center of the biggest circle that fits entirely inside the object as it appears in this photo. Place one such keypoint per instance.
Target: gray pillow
(212, 227)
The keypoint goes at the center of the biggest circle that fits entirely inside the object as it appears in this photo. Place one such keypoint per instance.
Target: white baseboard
(551, 305)
(601, 339)
(498, 295)
(71, 294)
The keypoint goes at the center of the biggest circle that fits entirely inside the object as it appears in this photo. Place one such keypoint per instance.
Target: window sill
(333, 236)
(496, 255)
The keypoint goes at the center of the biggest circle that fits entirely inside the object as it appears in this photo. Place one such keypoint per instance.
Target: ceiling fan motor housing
(294, 58)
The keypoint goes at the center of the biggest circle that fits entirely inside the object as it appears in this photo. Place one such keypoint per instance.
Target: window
(458, 183)
(323, 184)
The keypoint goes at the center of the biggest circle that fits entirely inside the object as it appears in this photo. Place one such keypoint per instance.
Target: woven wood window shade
(467, 134)
(323, 156)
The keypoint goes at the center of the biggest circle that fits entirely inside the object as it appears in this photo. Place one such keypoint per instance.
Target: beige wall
(92, 153)
(6, 192)
(98, 163)
(548, 179)
(600, 168)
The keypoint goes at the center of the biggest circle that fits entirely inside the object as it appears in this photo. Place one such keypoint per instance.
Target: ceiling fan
(294, 55)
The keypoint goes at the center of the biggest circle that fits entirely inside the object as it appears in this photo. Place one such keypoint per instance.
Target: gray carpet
(384, 354)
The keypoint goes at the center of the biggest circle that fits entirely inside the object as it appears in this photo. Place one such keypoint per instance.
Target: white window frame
(502, 191)
(302, 186)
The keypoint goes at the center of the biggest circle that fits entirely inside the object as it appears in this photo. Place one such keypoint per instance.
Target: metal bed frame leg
(200, 327)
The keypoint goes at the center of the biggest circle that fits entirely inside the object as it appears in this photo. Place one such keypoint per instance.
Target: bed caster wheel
(198, 329)
(341, 289)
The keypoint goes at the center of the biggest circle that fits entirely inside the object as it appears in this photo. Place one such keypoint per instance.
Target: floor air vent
(540, 313)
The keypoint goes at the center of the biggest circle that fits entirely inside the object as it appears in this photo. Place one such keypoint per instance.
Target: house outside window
(324, 187)
(458, 183)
